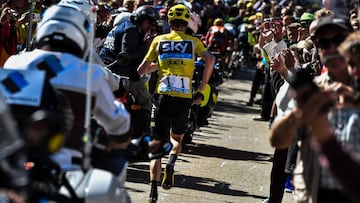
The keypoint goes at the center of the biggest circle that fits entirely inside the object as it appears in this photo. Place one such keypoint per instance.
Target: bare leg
(155, 172)
(168, 179)
(176, 140)
(155, 169)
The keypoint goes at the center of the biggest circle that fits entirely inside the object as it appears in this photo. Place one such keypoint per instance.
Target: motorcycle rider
(62, 41)
(173, 89)
(132, 36)
(128, 37)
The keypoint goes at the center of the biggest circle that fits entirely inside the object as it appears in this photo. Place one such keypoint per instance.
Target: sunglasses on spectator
(305, 24)
(325, 43)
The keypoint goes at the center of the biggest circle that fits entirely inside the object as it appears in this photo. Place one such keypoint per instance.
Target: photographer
(313, 183)
(8, 34)
(331, 150)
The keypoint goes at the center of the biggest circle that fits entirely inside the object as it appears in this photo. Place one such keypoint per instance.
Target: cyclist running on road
(176, 53)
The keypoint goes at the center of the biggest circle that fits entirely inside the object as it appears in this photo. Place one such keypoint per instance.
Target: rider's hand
(5, 15)
(198, 98)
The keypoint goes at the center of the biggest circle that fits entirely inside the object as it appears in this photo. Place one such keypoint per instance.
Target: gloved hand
(198, 98)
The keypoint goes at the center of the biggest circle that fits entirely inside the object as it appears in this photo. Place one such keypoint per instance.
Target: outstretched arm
(209, 66)
(146, 67)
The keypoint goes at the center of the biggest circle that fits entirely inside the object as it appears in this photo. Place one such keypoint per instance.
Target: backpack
(218, 40)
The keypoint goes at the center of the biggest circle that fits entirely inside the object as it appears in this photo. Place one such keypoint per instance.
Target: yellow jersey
(176, 53)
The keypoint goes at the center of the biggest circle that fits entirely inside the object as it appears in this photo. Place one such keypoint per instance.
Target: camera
(311, 68)
(304, 78)
(14, 14)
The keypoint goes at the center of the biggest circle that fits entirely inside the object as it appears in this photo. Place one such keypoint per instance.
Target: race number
(173, 83)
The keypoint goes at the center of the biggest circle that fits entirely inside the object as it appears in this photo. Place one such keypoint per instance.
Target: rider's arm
(209, 66)
(112, 78)
(146, 67)
(110, 113)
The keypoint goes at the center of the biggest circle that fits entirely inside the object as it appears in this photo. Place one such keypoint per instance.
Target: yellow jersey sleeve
(199, 46)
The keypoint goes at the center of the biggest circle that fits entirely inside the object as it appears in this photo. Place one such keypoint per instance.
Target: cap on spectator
(305, 44)
(307, 17)
(333, 20)
(232, 20)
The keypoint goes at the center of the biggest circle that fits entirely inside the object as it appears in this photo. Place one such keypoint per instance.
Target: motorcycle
(28, 169)
(43, 180)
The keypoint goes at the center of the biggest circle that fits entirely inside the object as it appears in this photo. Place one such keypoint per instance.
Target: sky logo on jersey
(176, 50)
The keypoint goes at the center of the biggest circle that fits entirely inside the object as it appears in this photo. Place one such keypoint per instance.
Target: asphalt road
(229, 161)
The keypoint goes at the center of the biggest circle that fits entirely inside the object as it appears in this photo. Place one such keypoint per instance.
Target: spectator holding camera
(7, 34)
(312, 182)
(329, 143)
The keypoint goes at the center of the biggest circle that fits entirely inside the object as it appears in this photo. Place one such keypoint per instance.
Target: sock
(172, 159)
(153, 191)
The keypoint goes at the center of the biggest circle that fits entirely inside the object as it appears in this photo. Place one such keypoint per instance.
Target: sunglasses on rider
(325, 43)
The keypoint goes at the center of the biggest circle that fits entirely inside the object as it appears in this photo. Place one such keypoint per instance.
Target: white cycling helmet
(82, 5)
(121, 17)
(62, 24)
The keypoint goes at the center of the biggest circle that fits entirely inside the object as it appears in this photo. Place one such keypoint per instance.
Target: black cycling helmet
(146, 12)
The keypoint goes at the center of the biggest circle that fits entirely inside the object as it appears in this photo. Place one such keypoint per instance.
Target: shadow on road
(231, 106)
(224, 153)
(244, 73)
(139, 172)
